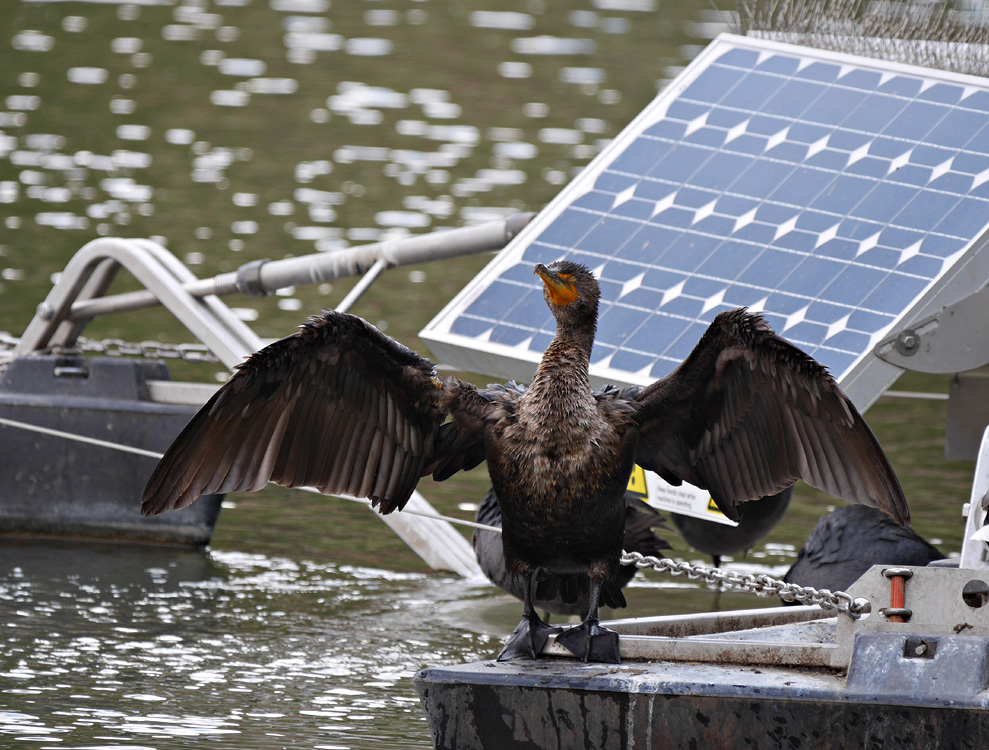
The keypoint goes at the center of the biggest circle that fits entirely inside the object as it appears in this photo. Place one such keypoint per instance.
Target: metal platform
(789, 677)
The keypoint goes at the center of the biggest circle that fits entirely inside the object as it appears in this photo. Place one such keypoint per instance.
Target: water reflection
(104, 645)
(154, 112)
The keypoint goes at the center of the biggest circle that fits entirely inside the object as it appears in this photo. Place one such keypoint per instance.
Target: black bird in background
(759, 517)
(849, 541)
(341, 407)
(567, 595)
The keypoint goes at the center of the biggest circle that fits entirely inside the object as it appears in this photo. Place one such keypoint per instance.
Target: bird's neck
(565, 363)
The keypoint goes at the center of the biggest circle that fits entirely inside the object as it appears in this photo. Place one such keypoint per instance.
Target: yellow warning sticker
(637, 482)
(712, 507)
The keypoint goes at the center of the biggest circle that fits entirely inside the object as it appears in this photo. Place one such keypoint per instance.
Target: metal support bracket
(946, 342)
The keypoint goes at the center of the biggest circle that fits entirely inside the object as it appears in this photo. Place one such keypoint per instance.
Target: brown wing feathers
(747, 414)
(338, 406)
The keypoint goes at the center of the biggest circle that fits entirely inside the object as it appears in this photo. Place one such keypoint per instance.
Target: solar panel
(841, 196)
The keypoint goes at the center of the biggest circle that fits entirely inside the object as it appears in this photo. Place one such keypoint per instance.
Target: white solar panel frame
(864, 381)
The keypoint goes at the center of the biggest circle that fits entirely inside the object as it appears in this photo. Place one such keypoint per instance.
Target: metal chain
(760, 585)
(121, 348)
(149, 349)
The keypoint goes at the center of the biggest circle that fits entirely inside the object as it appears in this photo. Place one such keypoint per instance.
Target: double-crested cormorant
(567, 595)
(759, 517)
(849, 541)
(342, 407)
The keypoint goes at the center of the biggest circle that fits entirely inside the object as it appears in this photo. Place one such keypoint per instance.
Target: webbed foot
(591, 642)
(528, 639)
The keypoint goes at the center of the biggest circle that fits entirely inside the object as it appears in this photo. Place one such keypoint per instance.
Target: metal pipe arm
(265, 277)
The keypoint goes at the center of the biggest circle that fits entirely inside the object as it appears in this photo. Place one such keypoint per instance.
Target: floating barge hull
(54, 487)
(771, 678)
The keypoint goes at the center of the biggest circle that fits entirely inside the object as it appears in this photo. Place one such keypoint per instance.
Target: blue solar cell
(762, 178)
(941, 245)
(858, 78)
(647, 299)
(968, 218)
(691, 197)
(843, 194)
(688, 252)
(931, 155)
(656, 334)
(853, 285)
(769, 268)
(978, 100)
(709, 137)
(728, 261)
(902, 86)
(877, 116)
(807, 334)
(641, 156)
(912, 174)
(833, 108)
(711, 85)
(613, 182)
(812, 275)
(894, 290)
(952, 182)
(858, 229)
(753, 145)
(818, 71)
(721, 171)
(619, 322)
(916, 120)
(509, 335)
(726, 118)
(884, 202)
(956, 128)
(921, 265)
(620, 271)
(647, 243)
(569, 227)
(839, 249)
(753, 91)
(927, 210)
(681, 163)
(466, 325)
(607, 235)
(794, 98)
(739, 57)
(631, 361)
(675, 216)
(942, 92)
(667, 130)
(803, 242)
(870, 167)
(979, 140)
(780, 64)
(529, 308)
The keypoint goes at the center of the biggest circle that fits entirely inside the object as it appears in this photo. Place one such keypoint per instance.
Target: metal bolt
(45, 311)
(908, 342)
(920, 649)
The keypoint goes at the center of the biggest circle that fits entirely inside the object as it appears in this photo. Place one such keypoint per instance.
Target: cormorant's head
(571, 291)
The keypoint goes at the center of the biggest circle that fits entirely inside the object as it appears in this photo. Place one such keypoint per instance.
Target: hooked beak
(562, 288)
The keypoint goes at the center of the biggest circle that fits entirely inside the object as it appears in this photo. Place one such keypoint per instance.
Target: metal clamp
(249, 279)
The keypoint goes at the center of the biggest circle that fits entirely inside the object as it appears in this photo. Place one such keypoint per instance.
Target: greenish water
(238, 129)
